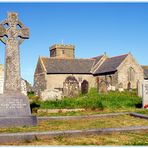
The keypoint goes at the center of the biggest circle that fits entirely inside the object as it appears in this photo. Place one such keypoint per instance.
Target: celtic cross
(12, 34)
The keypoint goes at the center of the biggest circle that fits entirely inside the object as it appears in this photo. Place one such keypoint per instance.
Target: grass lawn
(93, 102)
(143, 111)
(114, 139)
(76, 124)
(92, 112)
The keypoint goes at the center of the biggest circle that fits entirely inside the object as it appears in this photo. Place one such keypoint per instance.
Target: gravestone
(103, 87)
(145, 94)
(84, 87)
(71, 87)
(139, 88)
(14, 106)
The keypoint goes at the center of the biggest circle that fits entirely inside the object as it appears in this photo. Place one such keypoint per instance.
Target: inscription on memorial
(13, 105)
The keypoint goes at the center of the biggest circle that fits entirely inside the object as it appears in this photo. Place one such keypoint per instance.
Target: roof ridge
(43, 57)
(67, 58)
(97, 56)
(118, 56)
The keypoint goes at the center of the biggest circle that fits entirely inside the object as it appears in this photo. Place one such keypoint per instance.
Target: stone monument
(14, 106)
(145, 94)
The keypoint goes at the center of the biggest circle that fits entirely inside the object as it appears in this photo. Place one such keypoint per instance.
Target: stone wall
(55, 81)
(120, 79)
(110, 80)
(62, 51)
(138, 76)
(46, 85)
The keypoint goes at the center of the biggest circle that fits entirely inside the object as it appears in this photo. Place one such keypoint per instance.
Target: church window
(63, 52)
(131, 74)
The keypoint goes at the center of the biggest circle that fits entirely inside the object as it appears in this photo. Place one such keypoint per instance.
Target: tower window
(63, 52)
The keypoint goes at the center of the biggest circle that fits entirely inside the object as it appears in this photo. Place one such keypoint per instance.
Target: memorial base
(18, 121)
(15, 111)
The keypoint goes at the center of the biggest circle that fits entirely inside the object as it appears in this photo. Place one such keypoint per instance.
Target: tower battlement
(62, 51)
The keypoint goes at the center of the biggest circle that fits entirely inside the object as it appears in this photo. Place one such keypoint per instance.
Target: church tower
(62, 51)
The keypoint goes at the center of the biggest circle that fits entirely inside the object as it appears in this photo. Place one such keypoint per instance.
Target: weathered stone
(12, 65)
(139, 86)
(25, 86)
(13, 103)
(71, 87)
(145, 94)
(51, 94)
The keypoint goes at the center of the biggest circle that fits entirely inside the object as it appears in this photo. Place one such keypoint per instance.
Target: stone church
(62, 74)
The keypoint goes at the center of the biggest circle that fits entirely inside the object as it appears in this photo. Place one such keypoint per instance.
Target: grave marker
(13, 104)
(145, 94)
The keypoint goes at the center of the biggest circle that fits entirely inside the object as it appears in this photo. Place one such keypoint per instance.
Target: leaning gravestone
(14, 106)
(145, 94)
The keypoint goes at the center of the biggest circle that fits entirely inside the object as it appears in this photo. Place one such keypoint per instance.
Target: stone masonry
(13, 103)
(104, 73)
(14, 38)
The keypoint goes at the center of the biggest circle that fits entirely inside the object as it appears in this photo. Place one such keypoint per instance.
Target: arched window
(131, 74)
(110, 80)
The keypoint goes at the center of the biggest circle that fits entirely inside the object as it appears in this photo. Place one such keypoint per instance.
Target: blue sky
(94, 28)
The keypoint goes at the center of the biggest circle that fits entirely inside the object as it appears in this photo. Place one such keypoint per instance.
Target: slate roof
(110, 64)
(97, 59)
(69, 66)
(81, 66)
(145, 68)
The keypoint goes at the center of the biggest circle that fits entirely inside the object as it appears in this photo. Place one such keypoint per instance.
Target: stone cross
(12, 34)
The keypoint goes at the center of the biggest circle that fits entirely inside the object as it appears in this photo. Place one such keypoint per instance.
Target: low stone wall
(59, 110)
(13, 137)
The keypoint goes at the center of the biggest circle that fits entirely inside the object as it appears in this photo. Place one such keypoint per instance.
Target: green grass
(113, 139)
(143, 111)
(93, 100)
(76, 124)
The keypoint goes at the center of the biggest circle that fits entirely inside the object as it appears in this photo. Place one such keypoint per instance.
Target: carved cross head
(12, 28)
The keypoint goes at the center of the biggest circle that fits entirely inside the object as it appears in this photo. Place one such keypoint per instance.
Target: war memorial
(14, 106)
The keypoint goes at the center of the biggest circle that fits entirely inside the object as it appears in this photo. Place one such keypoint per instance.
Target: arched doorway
(84, 87)
(70, 87)
(129, 87)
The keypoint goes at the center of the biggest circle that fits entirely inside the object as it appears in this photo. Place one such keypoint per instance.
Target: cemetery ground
(93, 103)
